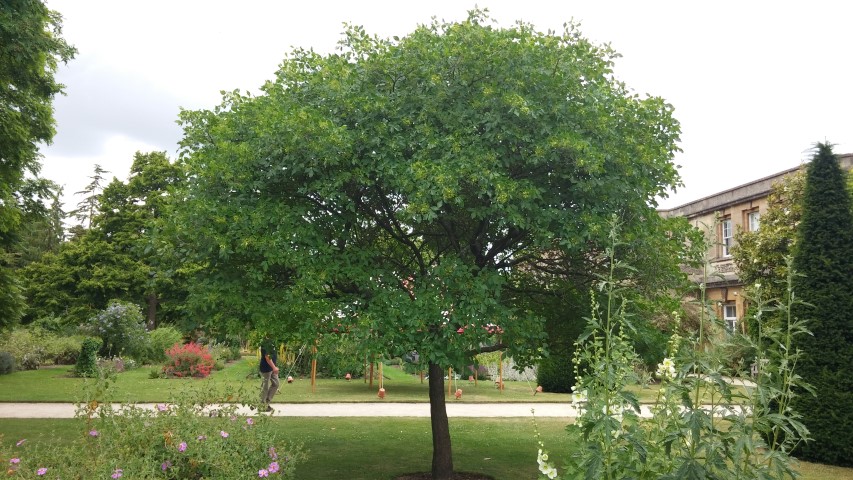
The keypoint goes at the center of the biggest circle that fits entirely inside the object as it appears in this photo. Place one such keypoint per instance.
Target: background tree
(91, 202)
(30, 50)
(115, 258)
(823, 260)
(760, 256)
(405, 188)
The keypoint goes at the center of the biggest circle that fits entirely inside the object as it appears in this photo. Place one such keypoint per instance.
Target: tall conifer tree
(824, 259)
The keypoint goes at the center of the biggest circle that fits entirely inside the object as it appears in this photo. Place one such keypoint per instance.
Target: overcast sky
(754, 83)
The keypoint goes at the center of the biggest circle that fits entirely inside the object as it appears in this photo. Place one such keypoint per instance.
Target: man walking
(269, 373)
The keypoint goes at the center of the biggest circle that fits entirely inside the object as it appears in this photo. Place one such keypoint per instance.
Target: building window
(730, 317)
(753, 221)
(727, 237)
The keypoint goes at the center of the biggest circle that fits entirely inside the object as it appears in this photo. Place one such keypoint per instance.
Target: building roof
(743, 193)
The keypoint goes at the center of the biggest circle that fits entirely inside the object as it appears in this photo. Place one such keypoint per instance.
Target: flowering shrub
(190, 360)
(178, 440)
(122, 328)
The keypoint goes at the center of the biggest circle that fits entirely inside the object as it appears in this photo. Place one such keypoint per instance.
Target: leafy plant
(190, 360)
(122, 329)
(196, 436)
(159, 340)
(7, 363)
(87, 361)
(699, 426)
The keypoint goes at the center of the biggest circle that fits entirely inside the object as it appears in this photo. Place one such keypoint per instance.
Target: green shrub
(27, 346)
(160, 340)
(62, 350)
(121, 326)
(87, 361)
(7, 363)
(564, 323)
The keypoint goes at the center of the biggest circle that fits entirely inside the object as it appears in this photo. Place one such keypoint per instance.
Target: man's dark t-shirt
(268, 348)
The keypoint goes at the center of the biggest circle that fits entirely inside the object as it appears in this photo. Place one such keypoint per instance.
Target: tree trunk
(442, 455)
(152, 311)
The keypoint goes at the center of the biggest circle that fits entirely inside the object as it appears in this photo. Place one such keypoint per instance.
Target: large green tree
(408, 188)
(823, 261)
(115, 258)
(30, 50)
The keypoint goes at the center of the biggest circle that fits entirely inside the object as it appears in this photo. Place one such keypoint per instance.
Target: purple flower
(117, 473)
(263, 473)
(273, 467)
(41, 471)
(93, 433)
(182, 446)
(250, 421)
(273, 455)
(223, 433)
(161, 406)
(165, 465)
(20, 442)
(202, 437)
(15, 460)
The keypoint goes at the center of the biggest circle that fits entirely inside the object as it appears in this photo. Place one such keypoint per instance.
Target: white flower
(666, 369)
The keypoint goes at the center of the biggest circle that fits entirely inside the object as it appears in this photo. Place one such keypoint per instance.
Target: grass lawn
(352, 448)
(380, 448)
(55, 384)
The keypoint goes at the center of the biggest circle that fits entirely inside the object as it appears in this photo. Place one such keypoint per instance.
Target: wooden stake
(314, 370)
(371, 372)
(501, 372)
(449, 380)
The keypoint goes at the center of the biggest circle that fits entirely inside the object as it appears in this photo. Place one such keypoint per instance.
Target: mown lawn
(55, 384)
(380, 448)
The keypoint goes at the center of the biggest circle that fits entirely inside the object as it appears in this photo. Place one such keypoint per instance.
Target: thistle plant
(701, 424)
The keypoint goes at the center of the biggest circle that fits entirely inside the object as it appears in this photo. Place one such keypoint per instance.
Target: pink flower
(273, 455)
(161, 406)
(117, 473)
(223, 433)
(165, 465)
(15, 460)
(41, 471)
(182, 446)
(93, 433)
(250, 421)
(263, 473)
(461, 330)
(273, 467)
(20, 442)
(202, 437)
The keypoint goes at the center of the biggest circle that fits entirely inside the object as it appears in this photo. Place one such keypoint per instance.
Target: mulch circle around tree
(456, 476)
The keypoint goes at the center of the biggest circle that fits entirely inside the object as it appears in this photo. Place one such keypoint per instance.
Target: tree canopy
(30, 50)
(409, 189)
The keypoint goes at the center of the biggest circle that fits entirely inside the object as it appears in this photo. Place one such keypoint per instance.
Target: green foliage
(196, 436)
(824, 258)
(410, 191)
(7, 363)
(116, 258)
(27, 346)
(760, 255)
(161, 339)
(122, 329)
(699, 426)
(31, 47)
(87, 361)
(564, 324)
